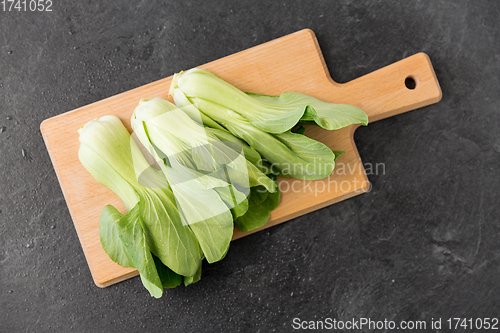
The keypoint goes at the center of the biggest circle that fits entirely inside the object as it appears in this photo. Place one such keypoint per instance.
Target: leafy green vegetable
(234, 199)
(338, 153)
(110, 239)
(130, 248)
(205, 173)
(97, 153)
(271, 114)
(173, 242)
(110, 155)
(223, 135)
(132, 235)
(177, 150)
(260, 205)
(291, 154)
(202, 84)
(326, 115)
(193, 279)
(123, 239)
(168, 278)
(160, 124)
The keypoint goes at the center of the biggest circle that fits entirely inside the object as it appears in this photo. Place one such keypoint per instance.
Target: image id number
(473, 324)
(26, 5)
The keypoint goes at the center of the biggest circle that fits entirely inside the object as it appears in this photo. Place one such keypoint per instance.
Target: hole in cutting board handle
(411, 82)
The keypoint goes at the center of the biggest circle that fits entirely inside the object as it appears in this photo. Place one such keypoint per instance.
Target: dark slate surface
(423, 244)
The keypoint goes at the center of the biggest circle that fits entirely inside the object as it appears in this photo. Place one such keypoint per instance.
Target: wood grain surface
(290, 63)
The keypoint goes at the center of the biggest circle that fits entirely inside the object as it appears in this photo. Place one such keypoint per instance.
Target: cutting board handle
(402, 86)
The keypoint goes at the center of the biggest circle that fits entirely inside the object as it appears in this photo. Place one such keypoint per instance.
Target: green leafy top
(202, 84)
(326, 115)
(290, 154)
(271, 114)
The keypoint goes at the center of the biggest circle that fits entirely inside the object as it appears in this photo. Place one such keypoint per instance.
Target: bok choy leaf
(326, 115)
(176, 142)
(113, 158)
(290, 154)
(132, 244)
(260, 205)
(124, 241)
(202, 84)
(271, 114)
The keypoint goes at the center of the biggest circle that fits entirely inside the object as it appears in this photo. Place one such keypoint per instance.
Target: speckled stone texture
(424, 243)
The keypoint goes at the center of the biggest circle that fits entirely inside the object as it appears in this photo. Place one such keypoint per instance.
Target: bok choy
(290, 154)
(267, 123)
(190, 154)
(199, 169)
(271, 114)
(113, 158)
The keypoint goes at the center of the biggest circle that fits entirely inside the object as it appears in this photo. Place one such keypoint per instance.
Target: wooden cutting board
(290, 63)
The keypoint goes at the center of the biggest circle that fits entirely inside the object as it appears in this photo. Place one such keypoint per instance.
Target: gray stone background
(424, 243)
